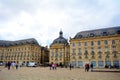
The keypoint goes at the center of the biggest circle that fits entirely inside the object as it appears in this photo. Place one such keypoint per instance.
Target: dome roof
(60, 39)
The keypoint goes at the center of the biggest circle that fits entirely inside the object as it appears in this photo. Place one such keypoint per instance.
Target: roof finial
(61, 33)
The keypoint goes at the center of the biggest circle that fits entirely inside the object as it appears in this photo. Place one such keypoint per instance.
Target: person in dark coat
(70, 66)
(16, 65)
(9, 64)
(91, 66)
(88, 67)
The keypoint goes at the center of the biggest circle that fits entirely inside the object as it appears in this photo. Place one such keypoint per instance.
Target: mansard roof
(18, 42)
(98, 32)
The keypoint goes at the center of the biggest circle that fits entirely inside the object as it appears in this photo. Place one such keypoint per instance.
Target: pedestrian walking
(91, 66)
(9, 64)
(13, 64)
(86, 67)
(70, 66)
(50, 66)
(16, 65)
(55, 66)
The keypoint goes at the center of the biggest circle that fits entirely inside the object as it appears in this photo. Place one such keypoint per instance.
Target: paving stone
(38, 73)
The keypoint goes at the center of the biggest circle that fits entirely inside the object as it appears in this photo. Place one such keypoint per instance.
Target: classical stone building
(59, 50)
(100, 47)
(21, 51)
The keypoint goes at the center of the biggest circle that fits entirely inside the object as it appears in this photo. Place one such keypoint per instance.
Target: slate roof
(18, 42)
(60, 39)
(98, 32)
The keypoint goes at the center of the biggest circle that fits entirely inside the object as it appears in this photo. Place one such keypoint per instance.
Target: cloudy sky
(43, 19)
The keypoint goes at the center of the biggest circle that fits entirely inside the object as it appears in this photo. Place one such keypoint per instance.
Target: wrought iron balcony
(99, 52)
(86, 53)
(107, 52)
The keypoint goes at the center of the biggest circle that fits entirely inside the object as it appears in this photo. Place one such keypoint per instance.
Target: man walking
(91, 66)
(9, 64)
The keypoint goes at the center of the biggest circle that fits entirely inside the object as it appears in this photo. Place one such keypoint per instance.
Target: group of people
(53, 66)
(11, 64)
(88, 67)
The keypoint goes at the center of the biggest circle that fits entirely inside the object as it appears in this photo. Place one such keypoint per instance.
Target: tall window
(114, 48)
(73, 44)
(52, 54)
(79, 50)
(105, 42)
(56, 55)
(99, 49)
(85, 43)
(113, 41)
(106, 49)
(60, 54)
(92, 43)
(99, 43)
(60, 50)
(86, 49)
(79, 44)
(73, 50)
(92, 49)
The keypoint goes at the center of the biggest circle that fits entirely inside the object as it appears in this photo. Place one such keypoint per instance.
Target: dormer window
(91, 35)
(118, 32)
(105, 33)
(79, 36)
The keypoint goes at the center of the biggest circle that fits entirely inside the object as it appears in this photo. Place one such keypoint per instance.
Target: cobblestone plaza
(41, 73)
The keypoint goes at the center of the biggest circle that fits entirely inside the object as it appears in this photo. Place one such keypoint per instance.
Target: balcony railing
(114, 52)
(86, 56)
(107, 52)
(73, 53)
(99, 52)
(79, 53)
(100, 56)
(86, 52)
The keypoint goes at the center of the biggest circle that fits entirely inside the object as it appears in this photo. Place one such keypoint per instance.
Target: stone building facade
(21, 51)
(59, 51)
(100, 47)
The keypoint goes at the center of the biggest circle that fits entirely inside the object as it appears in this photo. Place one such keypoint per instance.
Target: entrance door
(73, 64)
(80, 64)
(108, 63)
(116, 64)
(94, 64)
(100, 64)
